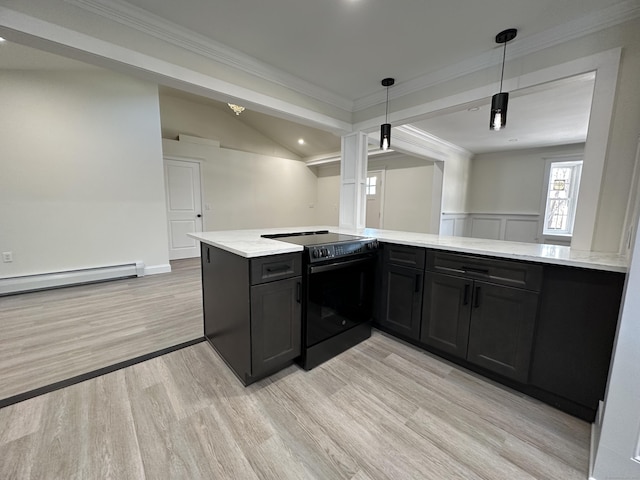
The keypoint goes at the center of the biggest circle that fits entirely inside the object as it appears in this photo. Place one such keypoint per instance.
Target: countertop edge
(249, 244)
(514, 256)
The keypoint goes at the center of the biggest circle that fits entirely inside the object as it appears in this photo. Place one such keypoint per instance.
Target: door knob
(199, 215)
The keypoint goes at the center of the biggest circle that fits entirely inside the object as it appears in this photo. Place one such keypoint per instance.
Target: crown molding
(419, 141)
(150, 24)
(585, 25)
(420, 136)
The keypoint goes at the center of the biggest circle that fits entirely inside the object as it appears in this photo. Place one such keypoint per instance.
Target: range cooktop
(322, 237)
(324, 245)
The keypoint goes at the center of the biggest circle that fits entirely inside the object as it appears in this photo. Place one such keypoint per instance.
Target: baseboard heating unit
(43, 281)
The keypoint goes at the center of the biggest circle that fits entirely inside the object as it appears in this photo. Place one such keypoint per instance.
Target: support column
(353, 178)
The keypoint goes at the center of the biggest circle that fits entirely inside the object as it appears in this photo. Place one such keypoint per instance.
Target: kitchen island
(538, 318)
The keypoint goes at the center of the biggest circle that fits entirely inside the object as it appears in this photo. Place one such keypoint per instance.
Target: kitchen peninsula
(538, 318)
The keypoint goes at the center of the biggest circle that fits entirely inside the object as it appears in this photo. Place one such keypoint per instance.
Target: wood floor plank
(476, 456)
(215, 447)
(163, 449)
(113, 448)
(398, 441)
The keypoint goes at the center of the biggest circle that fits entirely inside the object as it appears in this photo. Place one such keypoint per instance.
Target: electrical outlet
(7, 257)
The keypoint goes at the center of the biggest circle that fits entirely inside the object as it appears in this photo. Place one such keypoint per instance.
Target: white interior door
(184, 207)
(374, 199)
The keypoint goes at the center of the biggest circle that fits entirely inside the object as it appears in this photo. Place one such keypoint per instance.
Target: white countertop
(249, 244)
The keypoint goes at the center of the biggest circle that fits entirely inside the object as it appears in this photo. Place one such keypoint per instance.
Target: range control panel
(319, 253)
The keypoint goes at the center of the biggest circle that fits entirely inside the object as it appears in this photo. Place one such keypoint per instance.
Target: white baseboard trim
(155, 269)
(43, 281)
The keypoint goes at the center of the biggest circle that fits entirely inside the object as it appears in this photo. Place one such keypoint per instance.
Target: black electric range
(338, 286)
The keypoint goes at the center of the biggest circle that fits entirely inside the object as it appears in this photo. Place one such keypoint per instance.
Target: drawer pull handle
(279, 269)
(476, 303)
(465, 301)
(483, 271)
(418, 282)
(298, 292)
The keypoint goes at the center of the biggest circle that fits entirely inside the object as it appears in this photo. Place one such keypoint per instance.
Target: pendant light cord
(386, 109)
(504, 53)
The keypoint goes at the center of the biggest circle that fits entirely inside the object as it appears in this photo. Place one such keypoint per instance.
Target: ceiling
(345, 47)
(556, 113)
(348, 46)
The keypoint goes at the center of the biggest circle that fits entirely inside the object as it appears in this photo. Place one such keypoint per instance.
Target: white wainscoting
(511, 227)
(454, 224)
(514, 227)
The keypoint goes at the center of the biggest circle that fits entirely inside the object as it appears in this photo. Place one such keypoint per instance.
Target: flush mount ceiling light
(499, 101)
(2, 40)
(237, 109)
(385, 128)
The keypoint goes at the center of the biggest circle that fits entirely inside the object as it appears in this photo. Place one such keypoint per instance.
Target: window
(371, 185)
(562, 197)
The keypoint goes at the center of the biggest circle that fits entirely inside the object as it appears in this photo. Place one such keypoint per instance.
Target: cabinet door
(501, 331)
(276, 322)
(575, 332)
(445, 313)
(402, 302)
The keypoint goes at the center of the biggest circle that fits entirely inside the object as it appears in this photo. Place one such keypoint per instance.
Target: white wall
(617, 449)
(511, 182)
(455, 184)
(82, 177)
(328, 201)
(248, 190)
(407, 193)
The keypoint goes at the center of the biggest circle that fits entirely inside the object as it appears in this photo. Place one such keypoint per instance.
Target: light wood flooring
(382, 410)
(53, 335)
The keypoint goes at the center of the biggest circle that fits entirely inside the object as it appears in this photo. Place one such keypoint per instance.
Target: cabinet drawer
(404, 256)
(501, 272)
(277, 267)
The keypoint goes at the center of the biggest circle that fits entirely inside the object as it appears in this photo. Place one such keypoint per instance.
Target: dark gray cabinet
(252, 310)
(402, 282)
(473, 312)
(275, 324)
(446, 313)
(501, 329)
(575, 335)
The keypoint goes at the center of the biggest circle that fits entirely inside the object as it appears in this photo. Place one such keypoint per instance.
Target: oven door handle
(338, 265)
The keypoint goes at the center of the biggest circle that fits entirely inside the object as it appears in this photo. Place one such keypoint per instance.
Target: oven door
(339, 297)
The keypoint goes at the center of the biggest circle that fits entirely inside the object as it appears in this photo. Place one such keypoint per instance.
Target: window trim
(573, 159)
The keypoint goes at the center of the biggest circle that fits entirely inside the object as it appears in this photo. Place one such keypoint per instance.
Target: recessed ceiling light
(2, 40)
(473, 109)
(513, 139)
(301, 141)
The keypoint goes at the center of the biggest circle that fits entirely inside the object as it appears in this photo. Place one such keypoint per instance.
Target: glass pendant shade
(385, 136)
(498, 117)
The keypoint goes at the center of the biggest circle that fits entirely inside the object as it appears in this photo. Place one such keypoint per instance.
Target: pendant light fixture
(385, 128)
(500, 100)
